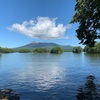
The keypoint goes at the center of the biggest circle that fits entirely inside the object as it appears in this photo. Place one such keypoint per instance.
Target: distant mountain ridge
(40, 44)
(46, 45)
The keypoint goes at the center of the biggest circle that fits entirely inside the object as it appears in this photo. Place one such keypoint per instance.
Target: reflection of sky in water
(36, 72)
(44, 77)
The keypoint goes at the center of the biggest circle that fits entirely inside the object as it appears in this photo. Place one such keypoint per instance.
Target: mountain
(49, 46)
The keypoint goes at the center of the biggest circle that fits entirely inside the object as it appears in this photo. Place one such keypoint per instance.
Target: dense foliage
(24, 51)
(88, 16)
(93, 50)
(77, 49)
(41, 50)
(56, 50)
(6, 50)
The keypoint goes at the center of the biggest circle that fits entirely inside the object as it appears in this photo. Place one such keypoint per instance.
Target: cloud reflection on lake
(44, 77)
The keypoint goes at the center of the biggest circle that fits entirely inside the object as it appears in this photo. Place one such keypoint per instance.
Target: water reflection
(42, 78)
(46, 76)
(90, 90)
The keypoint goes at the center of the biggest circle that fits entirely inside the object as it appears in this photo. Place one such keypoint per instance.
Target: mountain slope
(46, 45)
(39, 45)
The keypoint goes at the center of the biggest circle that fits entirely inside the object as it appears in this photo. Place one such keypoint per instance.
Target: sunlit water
(47, 76)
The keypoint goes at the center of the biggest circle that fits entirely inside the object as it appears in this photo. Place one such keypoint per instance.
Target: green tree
(88, 16)
(41, 50)
(0, 49)
(56, 50)
(77, 49)
(6, 50)
(24, 51)
(93, 50)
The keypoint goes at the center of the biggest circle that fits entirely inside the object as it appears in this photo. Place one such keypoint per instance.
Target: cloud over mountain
(42, 28)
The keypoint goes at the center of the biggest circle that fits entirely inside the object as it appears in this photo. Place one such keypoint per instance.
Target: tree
(41, 50)
(56, 50)
(77, 49)
(24, 51)
(6, 50)
(93, 50)
(88, 16)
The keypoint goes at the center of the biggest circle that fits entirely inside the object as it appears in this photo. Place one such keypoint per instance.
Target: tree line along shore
(57, 50)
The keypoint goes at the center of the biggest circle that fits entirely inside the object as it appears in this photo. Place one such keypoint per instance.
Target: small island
(77, 49)
(24, 51)
(41, 50)
(56, 50)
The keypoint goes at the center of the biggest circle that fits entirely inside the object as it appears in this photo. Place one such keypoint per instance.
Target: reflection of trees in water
(90, 90)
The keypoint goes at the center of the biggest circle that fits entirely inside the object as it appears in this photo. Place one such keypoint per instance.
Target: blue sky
(24, 21)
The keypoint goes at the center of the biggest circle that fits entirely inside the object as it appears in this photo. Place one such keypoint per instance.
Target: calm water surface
(47, 76)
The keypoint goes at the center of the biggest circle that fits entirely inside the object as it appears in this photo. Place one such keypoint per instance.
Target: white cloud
(43, 28)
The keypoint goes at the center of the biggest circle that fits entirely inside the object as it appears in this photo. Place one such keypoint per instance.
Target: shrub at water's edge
(93, 50)
(77, 49)
(24, 51)
(6, 50)
(56, 50)
(41, 50)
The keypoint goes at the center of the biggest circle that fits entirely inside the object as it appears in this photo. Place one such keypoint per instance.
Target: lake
(47, 76)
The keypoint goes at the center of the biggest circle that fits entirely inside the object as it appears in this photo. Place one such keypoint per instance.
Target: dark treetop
(88, 16)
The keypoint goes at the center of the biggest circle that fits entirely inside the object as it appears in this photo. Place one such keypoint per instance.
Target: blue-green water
(47, 76)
